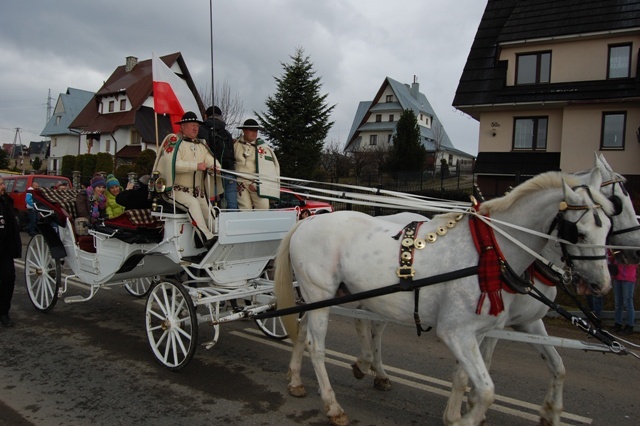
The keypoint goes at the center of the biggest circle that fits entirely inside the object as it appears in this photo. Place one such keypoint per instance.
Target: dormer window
(123, 104)
(112, 106)
(533, 68)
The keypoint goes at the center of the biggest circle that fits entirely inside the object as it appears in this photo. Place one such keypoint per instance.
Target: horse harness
(405, 272)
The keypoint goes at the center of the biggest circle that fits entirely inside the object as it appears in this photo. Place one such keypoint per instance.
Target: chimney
(415, 88)
(131, 62)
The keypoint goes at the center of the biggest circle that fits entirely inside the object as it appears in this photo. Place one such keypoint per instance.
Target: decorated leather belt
(197, 191)
(410, 242)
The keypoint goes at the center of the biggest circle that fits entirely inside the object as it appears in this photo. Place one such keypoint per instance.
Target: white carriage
(142, 249)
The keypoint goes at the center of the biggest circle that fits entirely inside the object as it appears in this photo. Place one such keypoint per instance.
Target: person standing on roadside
(220, 142)
(623, 278)
(10, 248)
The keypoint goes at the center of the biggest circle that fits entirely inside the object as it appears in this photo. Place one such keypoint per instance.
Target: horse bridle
(617, 205)
(568, 231)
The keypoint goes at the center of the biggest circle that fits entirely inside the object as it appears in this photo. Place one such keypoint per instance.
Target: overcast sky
(352, 44)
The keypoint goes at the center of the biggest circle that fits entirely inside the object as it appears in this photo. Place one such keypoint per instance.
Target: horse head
(625, 228)
(583, 225)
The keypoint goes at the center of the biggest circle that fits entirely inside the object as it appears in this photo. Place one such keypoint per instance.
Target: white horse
(522, 316)
(625, 231)
(359, 251)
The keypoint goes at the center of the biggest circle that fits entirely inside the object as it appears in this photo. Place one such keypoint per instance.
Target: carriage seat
(61, 201)
(63, 204)
(135, 226)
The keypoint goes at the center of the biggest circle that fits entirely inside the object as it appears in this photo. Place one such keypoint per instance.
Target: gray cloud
(353, 45)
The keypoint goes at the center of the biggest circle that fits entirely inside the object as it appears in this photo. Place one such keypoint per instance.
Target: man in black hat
(257, 160)
(183, 162)
(221, 143)
(10, 248)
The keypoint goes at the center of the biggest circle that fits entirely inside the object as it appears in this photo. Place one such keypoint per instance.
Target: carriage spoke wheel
(139, 287)
(172, 325)
(41, 274)
(272, 327)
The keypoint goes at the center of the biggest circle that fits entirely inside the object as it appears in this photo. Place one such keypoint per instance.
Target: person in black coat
(135, 196)
(220, 142)
(10, 248)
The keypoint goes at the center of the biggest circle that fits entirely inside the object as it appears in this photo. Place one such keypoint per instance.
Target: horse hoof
(357, 373)
(382, 384)
(340, 420)
(297, 391)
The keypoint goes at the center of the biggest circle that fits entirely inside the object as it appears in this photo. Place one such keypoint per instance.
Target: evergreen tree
(68, 166)
(297, 118)
(37, 163)
(407, 153)
(104, 162)
(4, 159)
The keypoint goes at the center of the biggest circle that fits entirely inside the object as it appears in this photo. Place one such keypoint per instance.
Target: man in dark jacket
(214, 131)
(10, 248)
(136, 196)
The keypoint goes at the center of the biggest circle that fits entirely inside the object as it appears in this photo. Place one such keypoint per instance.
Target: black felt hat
(189, 117)
(250, 124)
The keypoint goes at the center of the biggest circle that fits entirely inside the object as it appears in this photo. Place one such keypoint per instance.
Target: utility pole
(49, 107)
(16, 138)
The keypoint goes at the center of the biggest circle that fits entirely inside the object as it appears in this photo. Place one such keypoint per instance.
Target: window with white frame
(107, 146)
(389, 98)
(613, 125)
(378, 118)
(391, 118)
(112, 106)
(530, 133)
(373, 140)
(533, 68)
(123, 104)
(619, 61)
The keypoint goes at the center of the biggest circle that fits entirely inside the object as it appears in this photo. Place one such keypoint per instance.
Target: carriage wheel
(139, 287)
(172, 325)
(272, 327)
(41, 274)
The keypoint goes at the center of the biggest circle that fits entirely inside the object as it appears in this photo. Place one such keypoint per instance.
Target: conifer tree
(297, 119)
(407, 153)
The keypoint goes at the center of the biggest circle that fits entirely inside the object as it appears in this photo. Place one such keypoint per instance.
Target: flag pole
(155, 118)
(211, 132)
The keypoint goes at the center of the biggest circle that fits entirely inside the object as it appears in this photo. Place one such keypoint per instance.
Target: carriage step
(76, 299)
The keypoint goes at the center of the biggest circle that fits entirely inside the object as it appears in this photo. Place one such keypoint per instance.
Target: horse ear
(596, 179)
(601, 163)
(569, 195)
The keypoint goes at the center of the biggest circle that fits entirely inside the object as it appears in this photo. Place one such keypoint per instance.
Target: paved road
(89, 363)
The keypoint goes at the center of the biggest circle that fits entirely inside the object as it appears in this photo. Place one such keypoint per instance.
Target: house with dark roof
(552, 82)
(375, 122)
(63, 140)
(120, 119)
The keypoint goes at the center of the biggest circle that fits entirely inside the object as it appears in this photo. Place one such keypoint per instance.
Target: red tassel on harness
(489, 273)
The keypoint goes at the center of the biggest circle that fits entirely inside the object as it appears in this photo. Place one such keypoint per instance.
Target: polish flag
(171, 95)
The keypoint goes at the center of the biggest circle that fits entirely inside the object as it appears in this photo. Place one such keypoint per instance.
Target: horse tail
(283, 287)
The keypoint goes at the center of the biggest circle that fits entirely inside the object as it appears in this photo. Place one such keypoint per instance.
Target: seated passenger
(113, 189)
(135, 196)
(92, 203)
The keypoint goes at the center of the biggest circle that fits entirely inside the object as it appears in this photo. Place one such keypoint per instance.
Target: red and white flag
(171, 95)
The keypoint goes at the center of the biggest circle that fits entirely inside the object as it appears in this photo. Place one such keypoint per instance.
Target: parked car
(17, 186)
(290, 200)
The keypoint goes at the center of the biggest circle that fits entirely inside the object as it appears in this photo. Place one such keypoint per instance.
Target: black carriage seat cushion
(62, 201)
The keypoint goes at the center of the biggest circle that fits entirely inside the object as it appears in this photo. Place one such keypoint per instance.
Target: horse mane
(541, 182)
